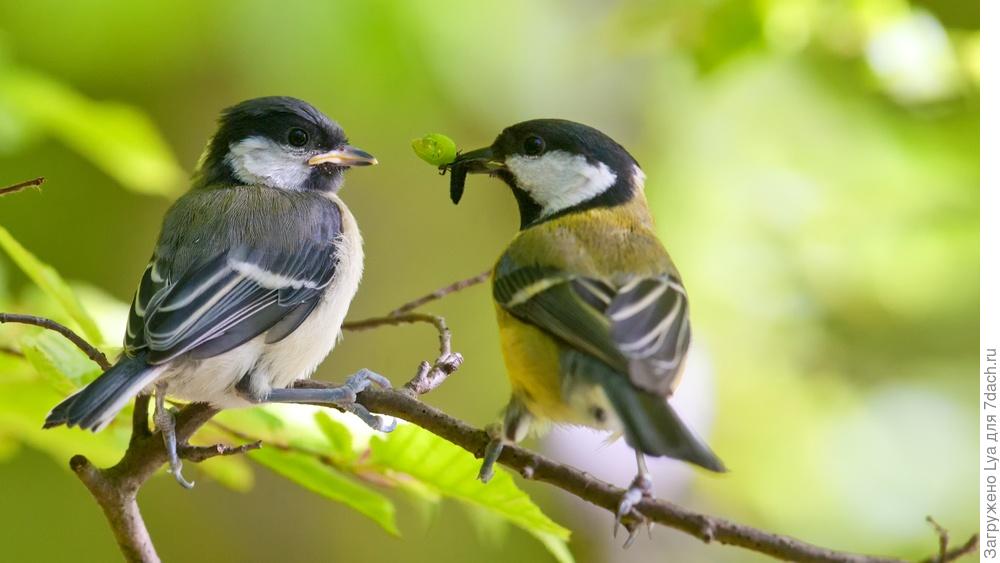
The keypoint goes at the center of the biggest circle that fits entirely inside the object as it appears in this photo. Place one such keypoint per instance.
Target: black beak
(479, 161)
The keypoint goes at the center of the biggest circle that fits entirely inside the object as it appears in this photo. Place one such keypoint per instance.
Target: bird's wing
(640, 329)
(227, 300)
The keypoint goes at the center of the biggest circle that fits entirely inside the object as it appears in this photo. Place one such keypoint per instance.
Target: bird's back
(224, 218)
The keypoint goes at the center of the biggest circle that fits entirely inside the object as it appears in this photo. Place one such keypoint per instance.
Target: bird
(251, 277)
(593, 316)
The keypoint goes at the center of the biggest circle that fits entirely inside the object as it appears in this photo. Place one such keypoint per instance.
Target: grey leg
(493, 450)
(516, 422)
(641, 487)
(343, 396)
(164, 420)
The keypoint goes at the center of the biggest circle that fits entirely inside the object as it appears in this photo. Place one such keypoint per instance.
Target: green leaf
(51, 283)
(314, 475)
(58, 361)
(119, 139)
(230, 471)
(23, 406)
(339, 437)
(452, 471)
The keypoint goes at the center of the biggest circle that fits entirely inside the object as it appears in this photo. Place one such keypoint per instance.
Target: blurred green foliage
(813, 166)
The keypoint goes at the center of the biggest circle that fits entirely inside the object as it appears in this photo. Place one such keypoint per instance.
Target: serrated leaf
(117, 138)
(58, 361)
(314, 475)
(51, 283)
(452, 471)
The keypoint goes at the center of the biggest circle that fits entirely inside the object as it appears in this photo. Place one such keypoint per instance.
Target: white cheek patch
(558, 180)
(261, 161)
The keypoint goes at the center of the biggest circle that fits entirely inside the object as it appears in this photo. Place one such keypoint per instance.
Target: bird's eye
(534, 145)
(298, 137)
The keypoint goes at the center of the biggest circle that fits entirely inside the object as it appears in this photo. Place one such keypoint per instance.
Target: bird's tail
(653, 427)
(94, 406)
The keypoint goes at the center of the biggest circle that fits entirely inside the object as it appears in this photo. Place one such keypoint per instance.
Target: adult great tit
(251, 278)
(592, 313)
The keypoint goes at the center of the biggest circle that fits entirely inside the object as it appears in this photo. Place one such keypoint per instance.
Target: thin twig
(93, 353)
(21, 186)
(944, 554)
(428, 376)
(435, 295)
(199, 454)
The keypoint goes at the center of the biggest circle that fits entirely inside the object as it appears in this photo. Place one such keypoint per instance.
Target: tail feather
(653, 427)
(94, 406)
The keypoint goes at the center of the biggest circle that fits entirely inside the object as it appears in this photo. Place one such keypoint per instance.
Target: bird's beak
(479, 161)
(344, 156)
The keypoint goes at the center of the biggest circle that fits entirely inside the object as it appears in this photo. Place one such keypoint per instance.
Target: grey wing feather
(651, 326)
(546, 298)
(227, 301)
(640, 329)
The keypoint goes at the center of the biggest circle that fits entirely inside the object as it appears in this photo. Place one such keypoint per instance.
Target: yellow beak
(344, 156)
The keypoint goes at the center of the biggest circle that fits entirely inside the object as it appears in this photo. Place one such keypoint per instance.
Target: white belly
(277, 365)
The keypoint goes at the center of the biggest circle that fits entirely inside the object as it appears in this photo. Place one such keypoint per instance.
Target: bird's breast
(297, 356)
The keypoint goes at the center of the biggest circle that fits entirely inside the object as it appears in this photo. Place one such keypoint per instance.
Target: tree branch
(115, 488)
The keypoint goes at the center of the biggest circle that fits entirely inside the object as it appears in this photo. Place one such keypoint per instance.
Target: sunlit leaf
(230, 471)
(314, 475)
(338, 435)
(23, 406)
(64, 366)
(49, 280)
(451, 471)
(117, 138)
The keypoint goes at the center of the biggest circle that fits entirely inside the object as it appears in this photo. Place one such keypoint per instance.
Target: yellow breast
(532, 360)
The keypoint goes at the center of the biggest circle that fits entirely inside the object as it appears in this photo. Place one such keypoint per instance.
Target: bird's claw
(641, 487)
(376, 422)
(164, 420)
(357, 383)
(363, 380)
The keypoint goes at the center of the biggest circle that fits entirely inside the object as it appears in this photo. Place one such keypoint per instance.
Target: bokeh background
(813, 167)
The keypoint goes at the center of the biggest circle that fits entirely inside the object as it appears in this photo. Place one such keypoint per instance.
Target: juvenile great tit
(592, 313)
(251, 278)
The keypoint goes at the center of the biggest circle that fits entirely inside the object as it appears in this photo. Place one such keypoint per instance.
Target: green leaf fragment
(435, 148)
(339, 437)
(58, 361)
(52, 284)
(119, 139)
(320, 478)
(452, 471)
(232, 472)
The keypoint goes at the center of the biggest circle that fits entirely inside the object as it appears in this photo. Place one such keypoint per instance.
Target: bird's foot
(492, 453)
(164, 420)
(641, 488)
(344, 396)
